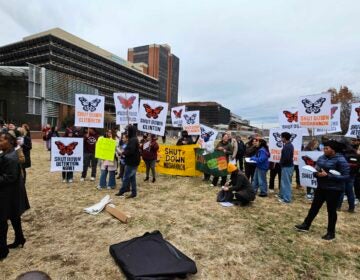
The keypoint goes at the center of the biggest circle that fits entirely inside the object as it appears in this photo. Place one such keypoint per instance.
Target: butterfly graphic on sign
(333, 110)
(127, 103)
(152, 113)
(177, 113)
(190, 119)
(277, 137)
(291, 117)
(309, 161)
(311, 107)
(206, 135)
(66, 149)
(89, 105)
(357, 110)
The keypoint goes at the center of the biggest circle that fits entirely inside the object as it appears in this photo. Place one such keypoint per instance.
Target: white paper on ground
(248, 160)
(98, 207)
(226, 204)
(309, 168)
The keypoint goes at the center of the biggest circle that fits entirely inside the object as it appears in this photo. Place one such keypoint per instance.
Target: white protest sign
(89, 110)
(308, 158)
(288, 118)
(354, 124)
(314, 110)
(66, 154)
(334, 121)
(127, 107)
(152, 116)
(176, 115)
(191, 122)
(275, 143)
(208, 135)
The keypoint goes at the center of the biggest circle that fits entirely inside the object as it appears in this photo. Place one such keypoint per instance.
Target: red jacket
(150, 152)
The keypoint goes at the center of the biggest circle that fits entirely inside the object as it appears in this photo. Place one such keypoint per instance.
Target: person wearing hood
(330, 186)
(262, 165)
(287, 168)
(132, 161)
(186, 139)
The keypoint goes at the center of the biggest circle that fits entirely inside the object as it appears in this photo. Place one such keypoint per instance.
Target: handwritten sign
(105, 148)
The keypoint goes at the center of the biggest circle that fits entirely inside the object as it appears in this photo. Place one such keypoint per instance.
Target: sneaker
(303, 227)
(345, 197)
(271, 191)
(82, 179)
(351, 210)
(120, 194)
(99, 187)
(153, 180)
(146, 179)
(309, 197)
(108, 188)
(64, 181)
(356, 201)
(70, 181)
(212, 185)
(328, 236)
(281, 200)
(92, 179)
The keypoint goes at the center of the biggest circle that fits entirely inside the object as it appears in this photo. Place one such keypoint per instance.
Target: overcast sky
(252, 56)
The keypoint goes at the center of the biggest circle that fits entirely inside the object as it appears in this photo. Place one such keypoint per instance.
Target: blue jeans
(103, 176)
(129, 179)
(285, 190)
(349, 191)
(260, 181)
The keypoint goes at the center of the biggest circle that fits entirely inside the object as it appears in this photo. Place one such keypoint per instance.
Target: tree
(345, 97)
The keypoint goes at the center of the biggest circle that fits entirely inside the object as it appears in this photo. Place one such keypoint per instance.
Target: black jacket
(132, 150)
(26, 147)
(13, 198)
(243, 187)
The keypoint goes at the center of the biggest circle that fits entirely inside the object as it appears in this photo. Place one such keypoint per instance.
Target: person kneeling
(240, 188)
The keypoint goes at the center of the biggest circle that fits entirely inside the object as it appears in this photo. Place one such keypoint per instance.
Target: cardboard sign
(176, 115)
(314, 110)
(175, 160)
(105, 148)
(191, 122)
(334, 121)
(354, 124)
(89, 110)
(152, 117)
(276, 145)
(289, 118)
(127, 108)
(67, 154)
(308, 158)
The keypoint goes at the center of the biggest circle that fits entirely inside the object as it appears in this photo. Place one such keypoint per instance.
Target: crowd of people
(248, 165)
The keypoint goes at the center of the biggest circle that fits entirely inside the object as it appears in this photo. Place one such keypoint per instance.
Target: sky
(254, 57)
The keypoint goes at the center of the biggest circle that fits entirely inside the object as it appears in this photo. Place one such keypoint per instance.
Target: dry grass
(256, 242)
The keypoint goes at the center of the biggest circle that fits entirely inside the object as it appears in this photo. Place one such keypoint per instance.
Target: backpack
(224, 196)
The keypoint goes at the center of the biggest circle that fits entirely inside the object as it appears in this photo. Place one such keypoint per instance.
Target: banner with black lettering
(334, 120)
(314, 110)
(276, 145)
(89, 110)
(127, 107)
(152, 116)
(308, 158)
(354, 124)
(176, 115)
(191, 122)
(66, 154)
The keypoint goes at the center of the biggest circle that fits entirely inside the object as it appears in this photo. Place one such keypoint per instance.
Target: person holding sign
(108, 167)
(330, 186)
(149, 155)
(89, 154)
(132, 161)
(287, 168)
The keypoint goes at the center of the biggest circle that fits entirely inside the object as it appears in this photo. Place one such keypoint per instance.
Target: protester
(275, 170)
(90, 140)
(240, 152)
(132, 161)
(13, 198)
(26, 148)
(120, 149)
(353, 160)
(243, 191)
(186, 139)
(208, 147)
(225, 146)
(287, 168)
(45, 131)
(250, 151)
(355, 143)
(329, 187)
(262, 166)
(149, 155)
(108, 167)
(234, 144)
(53, 132)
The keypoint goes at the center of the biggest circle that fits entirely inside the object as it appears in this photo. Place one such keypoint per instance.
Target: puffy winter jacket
(262, 159)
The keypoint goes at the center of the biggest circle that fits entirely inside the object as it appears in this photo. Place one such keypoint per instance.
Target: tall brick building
(158, 61)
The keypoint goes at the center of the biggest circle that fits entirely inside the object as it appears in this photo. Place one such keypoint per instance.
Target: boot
(17, 243)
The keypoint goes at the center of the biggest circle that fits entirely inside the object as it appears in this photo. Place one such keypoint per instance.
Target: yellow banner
(105, 148)
(175, 160)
